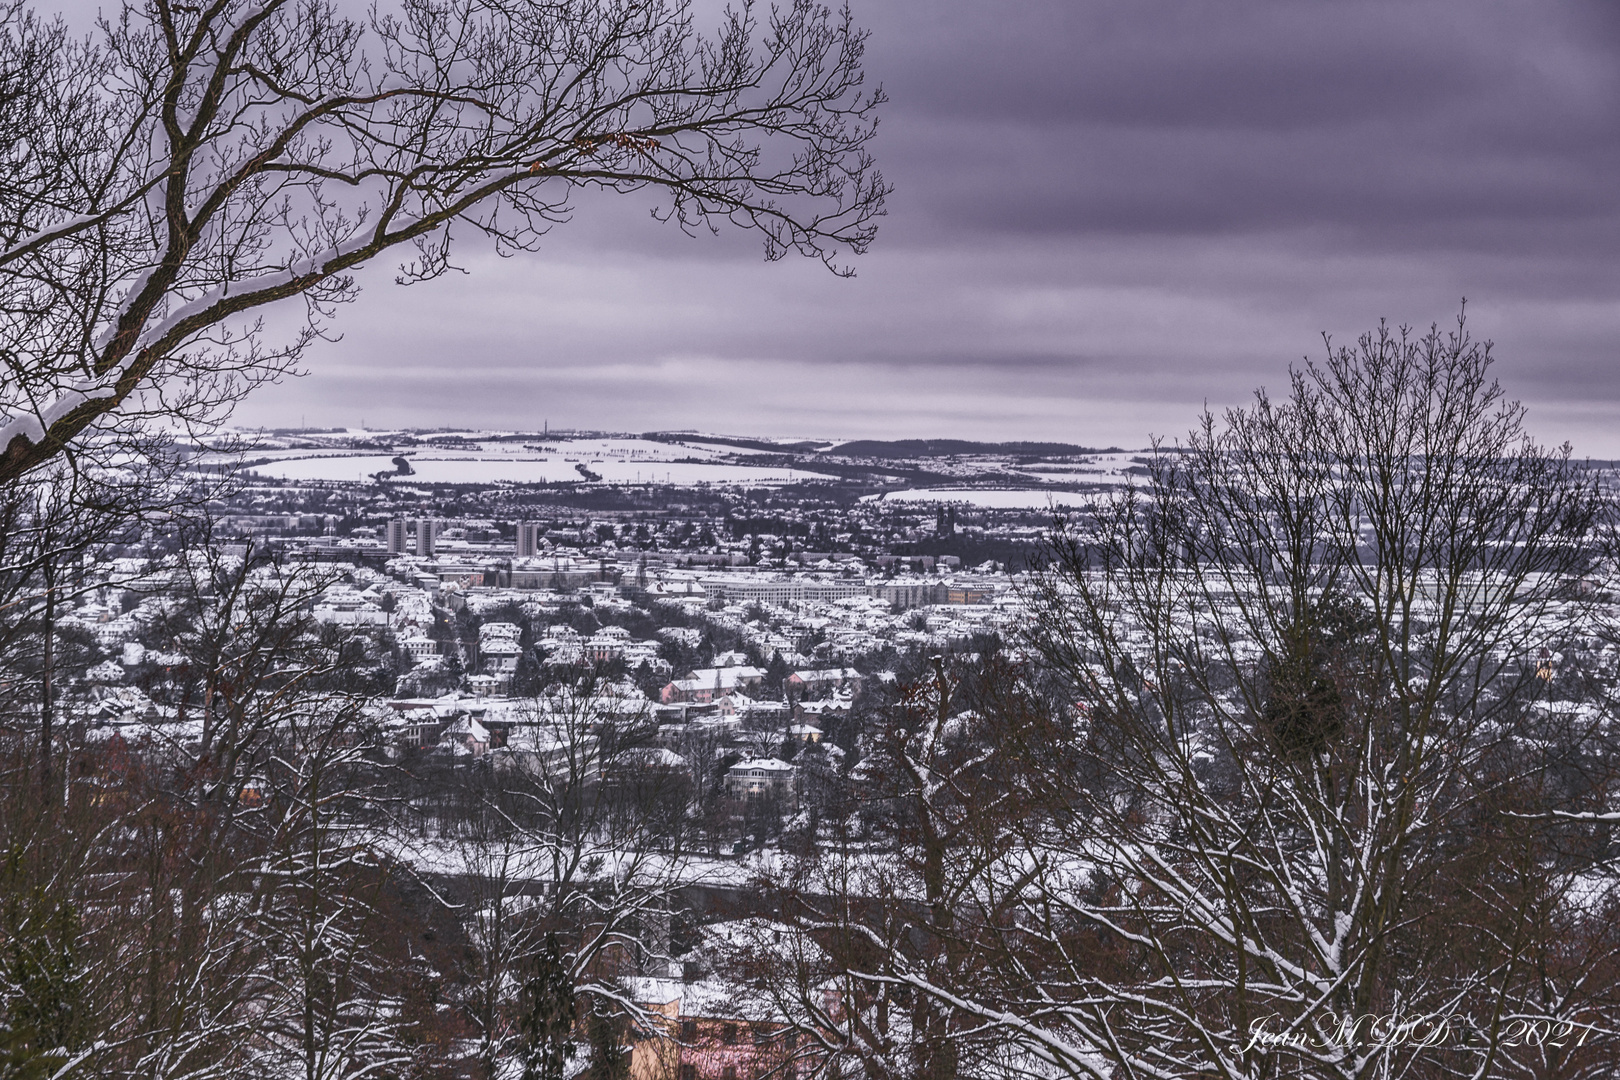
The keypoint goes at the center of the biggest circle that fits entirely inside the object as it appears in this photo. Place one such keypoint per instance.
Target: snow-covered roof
(466, 728)
(770, 764)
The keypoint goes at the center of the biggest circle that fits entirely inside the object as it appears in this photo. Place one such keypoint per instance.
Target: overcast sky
(1105, 214)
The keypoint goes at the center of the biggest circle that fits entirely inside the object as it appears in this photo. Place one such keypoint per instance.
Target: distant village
(479, 619)
(749, 625)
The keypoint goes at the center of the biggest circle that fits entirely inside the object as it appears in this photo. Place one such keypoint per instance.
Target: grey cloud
(1106, 214)
(1196, 117)
(1165, 65)
(1107, 344)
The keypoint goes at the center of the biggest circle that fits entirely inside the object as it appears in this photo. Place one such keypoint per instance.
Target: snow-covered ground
(1102, 469)
(498, 466)
(993, 498)
(626, 460)
(629, 459)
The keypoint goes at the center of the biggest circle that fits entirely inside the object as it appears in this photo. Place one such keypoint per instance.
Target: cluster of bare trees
(251, 887)
(198, 905)
(1290, 782)
(569, 864)
(230, 893)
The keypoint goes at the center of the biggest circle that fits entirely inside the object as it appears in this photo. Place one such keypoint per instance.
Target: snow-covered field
(490, 467)
(628, 447)
(995, 499)
(629, 459)
(1104, 469)
(536, 460)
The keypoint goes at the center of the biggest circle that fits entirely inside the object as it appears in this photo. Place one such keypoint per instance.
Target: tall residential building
(427, 531)
(396, 536)
(528, 539)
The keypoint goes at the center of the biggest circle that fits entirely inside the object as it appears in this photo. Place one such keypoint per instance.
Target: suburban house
(499, 648)
(703, 1037)
(761, 778)
(607, 644)
(346, 606)
(711, 684)
(820, 681)
(814, 712)
(420, 648)
(466, 736)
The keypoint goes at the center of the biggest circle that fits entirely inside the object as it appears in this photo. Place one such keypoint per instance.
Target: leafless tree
(569, 872)
(950, 775)
(190, 165)
(329, 998)
(53, 532)
(205, 901)
(1304, 651)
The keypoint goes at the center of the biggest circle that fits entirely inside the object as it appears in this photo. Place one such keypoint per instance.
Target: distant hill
(727, 440)
(921, 448)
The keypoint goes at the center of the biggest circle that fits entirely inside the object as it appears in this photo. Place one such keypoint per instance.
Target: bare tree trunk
(47, 686)
(936, 1052)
